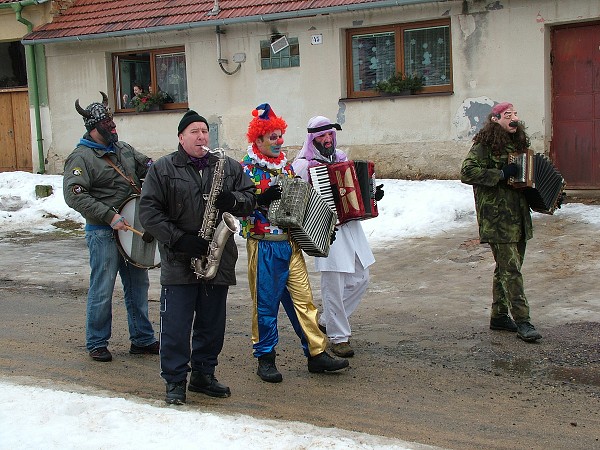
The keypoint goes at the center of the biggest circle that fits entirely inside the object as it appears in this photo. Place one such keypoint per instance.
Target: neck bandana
(200, 163)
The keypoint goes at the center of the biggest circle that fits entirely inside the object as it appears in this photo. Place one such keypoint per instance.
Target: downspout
(32, 78)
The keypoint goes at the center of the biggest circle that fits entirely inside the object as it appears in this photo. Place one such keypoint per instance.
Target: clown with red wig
(277, 271)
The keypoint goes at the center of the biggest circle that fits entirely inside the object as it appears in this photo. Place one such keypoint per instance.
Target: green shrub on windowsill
(400, 84)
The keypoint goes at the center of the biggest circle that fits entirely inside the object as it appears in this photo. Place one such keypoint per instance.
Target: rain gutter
(32, 80)
(233, 21)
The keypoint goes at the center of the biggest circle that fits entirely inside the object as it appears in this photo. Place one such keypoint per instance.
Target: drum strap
(129, 179)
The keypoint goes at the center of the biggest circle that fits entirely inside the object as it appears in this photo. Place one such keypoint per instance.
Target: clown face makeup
(270, 144)
(325, 144)
(507, 119)
(108, 131)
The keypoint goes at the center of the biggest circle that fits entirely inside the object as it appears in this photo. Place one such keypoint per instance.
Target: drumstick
(134, 230)
(146, 237)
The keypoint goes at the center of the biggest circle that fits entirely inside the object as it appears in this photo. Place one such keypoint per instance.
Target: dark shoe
(322, 328)
(527, 332)
(342, 349)
(267, 370)
(151, 349)
(101, 354)
(207, 384)
(175, 393)
(503, 323)
(323, 362)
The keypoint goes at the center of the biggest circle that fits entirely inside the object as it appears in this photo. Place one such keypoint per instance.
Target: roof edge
(238, 20)
(23, 3)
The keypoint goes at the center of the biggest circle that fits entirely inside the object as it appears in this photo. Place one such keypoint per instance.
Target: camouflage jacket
(502, 212)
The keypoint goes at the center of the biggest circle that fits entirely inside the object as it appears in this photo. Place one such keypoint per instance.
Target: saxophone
(206, 267)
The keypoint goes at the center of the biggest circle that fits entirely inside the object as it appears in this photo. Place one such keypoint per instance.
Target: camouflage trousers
(507, 286)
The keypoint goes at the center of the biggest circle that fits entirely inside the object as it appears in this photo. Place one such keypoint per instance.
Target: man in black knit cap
(177, 193)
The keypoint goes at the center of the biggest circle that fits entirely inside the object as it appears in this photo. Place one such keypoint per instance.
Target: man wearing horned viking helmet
(100, 175)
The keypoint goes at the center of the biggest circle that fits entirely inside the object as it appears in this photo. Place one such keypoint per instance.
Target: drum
(144, 255)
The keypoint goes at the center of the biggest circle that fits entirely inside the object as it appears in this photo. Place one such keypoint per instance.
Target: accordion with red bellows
(348, 187)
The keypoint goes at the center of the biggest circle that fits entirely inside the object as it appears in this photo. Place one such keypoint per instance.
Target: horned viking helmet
(95, 112)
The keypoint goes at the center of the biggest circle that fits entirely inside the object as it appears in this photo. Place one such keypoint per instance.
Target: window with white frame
(417, 49)
(154, 71)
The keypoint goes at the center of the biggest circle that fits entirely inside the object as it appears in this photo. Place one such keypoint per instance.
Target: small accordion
(542, 183)
(304, 212)
(348, 187)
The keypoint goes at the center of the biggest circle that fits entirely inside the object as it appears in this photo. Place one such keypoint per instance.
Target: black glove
(560, 200)
(332, 237)
(225, 201)
(147, 237)
(273, 193)
(192, 245)
(379, 192)
(509, 170)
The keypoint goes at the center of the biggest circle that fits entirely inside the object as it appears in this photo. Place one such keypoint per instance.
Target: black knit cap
(190, 117)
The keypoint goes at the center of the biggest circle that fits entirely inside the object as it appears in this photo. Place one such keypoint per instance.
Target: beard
(107, 135)
(325, 151)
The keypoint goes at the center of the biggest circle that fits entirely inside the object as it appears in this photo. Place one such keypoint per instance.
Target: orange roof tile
(91, 19)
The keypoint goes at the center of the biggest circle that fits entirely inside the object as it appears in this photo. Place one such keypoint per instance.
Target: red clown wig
(264, 123)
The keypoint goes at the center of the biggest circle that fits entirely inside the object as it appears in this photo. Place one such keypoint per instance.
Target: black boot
(176, 393)
(207, 384)
(503, 323)
(323, 362)
(267, 371)
(527, 332)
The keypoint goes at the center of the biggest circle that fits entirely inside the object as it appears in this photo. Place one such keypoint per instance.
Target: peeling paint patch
(467, 25)
(341, 115)
(494, 6)
(471, 115)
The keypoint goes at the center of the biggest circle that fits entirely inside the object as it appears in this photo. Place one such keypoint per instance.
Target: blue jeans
(105, 263)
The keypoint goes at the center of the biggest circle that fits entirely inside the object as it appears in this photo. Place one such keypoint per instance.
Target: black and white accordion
(542, 183)
(304, 212)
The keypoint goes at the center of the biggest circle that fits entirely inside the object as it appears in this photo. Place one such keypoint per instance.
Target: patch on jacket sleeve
(77, 171)
(77, 189)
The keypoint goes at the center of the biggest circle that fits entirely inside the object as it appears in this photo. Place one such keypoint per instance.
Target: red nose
(279, 141)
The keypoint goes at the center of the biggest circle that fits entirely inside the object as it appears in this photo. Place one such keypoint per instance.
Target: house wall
(500, 51)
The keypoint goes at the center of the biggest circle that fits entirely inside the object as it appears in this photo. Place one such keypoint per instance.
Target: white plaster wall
(500, 52)
(11, 29)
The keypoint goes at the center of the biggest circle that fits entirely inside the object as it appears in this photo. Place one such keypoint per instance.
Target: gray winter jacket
(172, 204)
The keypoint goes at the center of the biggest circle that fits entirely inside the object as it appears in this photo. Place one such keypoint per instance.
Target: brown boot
(342, 349)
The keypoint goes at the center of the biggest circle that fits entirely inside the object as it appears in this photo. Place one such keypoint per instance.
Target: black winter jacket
(172, 204)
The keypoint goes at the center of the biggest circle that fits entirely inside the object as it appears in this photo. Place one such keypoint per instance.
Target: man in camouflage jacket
(503, 215)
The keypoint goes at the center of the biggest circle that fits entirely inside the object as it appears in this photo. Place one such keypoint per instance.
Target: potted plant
(400, 84)
(149, 101)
